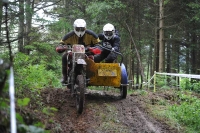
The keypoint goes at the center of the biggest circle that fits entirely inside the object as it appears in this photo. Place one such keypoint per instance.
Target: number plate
(107, 72)
(78, 48)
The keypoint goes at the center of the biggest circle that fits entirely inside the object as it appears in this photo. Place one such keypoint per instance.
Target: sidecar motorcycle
(84, 72)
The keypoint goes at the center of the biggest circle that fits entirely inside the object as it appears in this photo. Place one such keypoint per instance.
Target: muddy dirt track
(103, 113)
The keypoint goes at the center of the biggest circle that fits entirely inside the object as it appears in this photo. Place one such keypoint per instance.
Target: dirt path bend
(103, 113)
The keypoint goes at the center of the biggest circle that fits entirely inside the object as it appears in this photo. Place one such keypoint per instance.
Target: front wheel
(80, 97)
(123, 91)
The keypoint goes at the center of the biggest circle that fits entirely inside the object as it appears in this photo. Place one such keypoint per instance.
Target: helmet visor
(108, 33)
(80, 29)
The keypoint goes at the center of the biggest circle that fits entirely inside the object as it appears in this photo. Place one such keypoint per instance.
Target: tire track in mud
(137, 119)
(131, 115)
(134, 119)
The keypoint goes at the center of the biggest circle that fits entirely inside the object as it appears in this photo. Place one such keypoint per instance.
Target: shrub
(188, 112)
(35, 77)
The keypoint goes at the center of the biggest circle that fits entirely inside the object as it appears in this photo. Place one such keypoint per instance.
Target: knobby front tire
(80, 97)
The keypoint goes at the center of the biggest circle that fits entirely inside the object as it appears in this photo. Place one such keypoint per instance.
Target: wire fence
(164, 79)
(175, 79)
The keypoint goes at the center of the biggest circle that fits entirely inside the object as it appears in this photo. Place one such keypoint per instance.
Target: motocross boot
(64, 72)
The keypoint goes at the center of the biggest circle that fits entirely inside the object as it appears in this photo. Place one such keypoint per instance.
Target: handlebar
(113, 52)
(69, 47)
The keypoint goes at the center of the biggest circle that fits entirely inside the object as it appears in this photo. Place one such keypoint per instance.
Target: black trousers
(106, 55)
(64, 64)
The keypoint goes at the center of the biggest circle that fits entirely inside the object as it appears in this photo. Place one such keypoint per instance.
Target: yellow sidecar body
(103, 74)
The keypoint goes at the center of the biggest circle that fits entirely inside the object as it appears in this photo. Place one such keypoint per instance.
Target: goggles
(80, 29)
(108, 33)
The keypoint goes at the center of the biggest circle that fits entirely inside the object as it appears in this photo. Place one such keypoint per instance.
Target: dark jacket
(115, 41)
(106, 55)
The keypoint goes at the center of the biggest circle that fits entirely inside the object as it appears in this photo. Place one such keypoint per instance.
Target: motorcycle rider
(80, 35)
(111, 40)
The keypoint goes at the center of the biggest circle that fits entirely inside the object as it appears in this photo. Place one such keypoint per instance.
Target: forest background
(156, 35)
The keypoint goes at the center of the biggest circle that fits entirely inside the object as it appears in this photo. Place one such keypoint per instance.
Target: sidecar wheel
(123, 92)
(124, 82)
(80, 97)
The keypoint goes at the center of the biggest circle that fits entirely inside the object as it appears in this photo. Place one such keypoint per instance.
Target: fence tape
(171, 74)
(181, 75)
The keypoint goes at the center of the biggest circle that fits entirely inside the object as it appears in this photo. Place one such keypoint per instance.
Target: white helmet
(79, 27)
(108, 31)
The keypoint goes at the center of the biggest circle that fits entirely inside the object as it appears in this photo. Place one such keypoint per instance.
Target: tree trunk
(29, 14)
(139, 43)
(150, 60)
(21, 26)
(133, 70)
(156, 44)
(130, 67)
(168, 68)
(1, 16)
(174, 56)
(187, 60)
(156, 52)
(137, 53)
(161, 38)
(193, 54)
